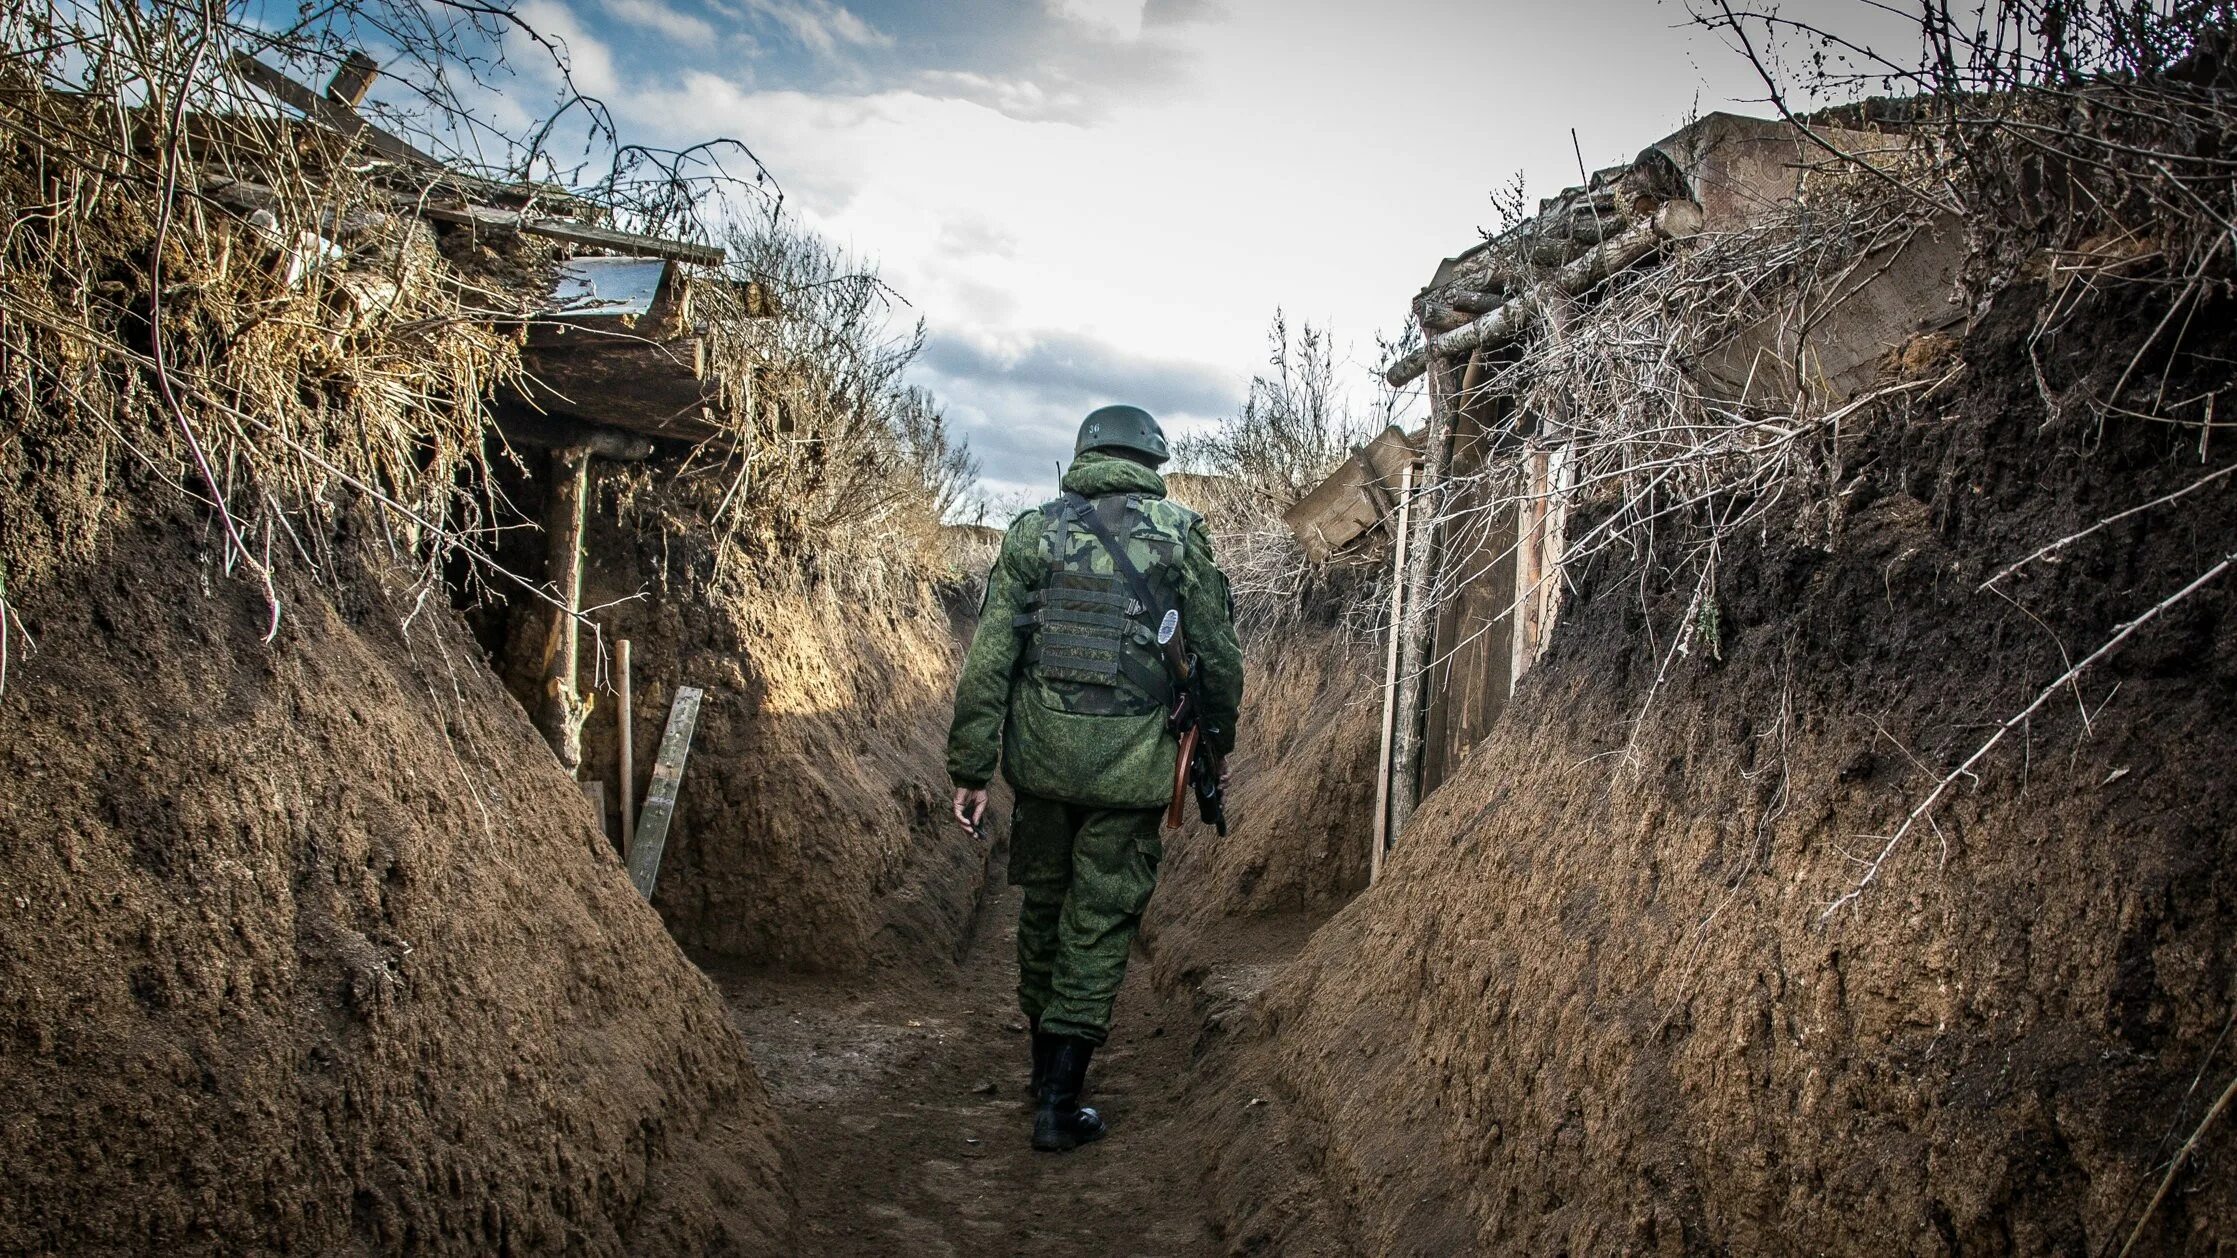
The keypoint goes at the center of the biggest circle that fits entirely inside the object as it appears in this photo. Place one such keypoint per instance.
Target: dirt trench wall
(311, 947)
(1601, 1011)
(811, 828)
(1301, 800)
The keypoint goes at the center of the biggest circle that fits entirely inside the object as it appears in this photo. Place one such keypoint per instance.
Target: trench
(904, 1100)
(311, 946)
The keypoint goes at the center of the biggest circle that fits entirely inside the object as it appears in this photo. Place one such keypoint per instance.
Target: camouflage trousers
(1087, 875)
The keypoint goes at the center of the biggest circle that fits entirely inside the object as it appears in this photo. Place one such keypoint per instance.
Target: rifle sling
(1091, 518)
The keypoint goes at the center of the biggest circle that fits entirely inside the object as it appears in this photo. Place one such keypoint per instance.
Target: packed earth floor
(905, 1099)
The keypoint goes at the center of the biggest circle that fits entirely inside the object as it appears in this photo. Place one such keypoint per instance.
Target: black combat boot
(1062, 1123)
(1044, 1047)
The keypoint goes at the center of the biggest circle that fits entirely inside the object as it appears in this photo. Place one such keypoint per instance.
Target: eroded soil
(905, 1098)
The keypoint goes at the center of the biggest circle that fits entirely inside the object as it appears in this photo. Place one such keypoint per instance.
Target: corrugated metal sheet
(606, 286)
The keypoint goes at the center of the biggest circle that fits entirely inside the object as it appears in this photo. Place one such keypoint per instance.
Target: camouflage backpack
(1093, 621)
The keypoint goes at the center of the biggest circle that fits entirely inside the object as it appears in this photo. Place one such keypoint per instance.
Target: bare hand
(1226, 770)
(970, 806)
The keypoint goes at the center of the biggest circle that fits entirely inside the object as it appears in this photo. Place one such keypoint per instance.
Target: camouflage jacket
(1004, 712)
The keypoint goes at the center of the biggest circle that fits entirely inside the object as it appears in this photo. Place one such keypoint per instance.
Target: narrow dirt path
(905, 1102)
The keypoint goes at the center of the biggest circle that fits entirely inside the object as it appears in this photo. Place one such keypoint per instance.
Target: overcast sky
(1092, 201)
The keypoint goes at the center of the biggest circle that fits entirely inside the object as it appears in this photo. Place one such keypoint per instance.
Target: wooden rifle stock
(1175, 812)
(1176, 664)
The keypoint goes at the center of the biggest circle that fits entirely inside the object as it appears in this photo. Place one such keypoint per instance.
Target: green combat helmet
(1122, 428)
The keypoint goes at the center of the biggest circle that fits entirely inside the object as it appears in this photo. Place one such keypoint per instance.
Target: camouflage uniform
(1062, 685)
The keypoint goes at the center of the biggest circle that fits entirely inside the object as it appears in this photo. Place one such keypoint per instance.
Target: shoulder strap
(1091, 518)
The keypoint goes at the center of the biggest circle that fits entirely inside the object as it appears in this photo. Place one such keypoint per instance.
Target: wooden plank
(1450, 645)
(1561, 476)
(1421, 576)
(1470, 644)
(1352, 500)
(1390, 676)
(1530, 566)
(660, 798)
(625, 242)
(629, 243)
(562, 711)
(595, 792)
(325, 112)
(352, 80)
(659, 388)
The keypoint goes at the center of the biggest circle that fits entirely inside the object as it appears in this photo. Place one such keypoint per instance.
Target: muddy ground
(908, 1120)
(904, 1097)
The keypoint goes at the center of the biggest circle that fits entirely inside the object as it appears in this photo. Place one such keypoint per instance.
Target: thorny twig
(1872, 868)
(2181, 1155)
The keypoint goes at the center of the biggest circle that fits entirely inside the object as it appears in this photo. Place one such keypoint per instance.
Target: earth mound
(1598, 1003)
(1302, 802)
(312, 947)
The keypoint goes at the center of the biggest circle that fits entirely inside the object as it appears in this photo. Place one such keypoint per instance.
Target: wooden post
(352, 80)
(628, 751)
(1561, 477)
(562, 710)
(1403, 527)
(595, 794)
(319, 109)
(1413, 647)
(660, 800)
(1528, 615)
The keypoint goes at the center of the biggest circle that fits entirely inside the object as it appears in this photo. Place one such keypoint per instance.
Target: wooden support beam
(560, 715)
(630, 243)
(1515, 316)
(659, 388)
(660, 800)
(628, 731)
(1421, 574)
(1528, 625)
(1390, 675)
(326, 112)
(594, 793)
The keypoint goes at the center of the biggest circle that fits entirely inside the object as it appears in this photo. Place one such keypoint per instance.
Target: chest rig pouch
(1093, 623)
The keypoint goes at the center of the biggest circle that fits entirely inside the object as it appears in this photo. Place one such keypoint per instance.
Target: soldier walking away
(1067, 686)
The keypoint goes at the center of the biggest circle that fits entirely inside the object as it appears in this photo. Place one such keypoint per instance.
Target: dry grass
(202, 296)
(2083, 147)
(1293, 430)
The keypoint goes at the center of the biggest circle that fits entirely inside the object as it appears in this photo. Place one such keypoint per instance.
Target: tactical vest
(1093, 621)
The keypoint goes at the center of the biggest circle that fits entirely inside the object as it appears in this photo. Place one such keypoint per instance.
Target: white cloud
(972, 236)
(808, 141)
(1123, 17)
(1156, 13)
(586, 58)
(1128, 199)
(1018, 98)
(820, 26)
(684, 28)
